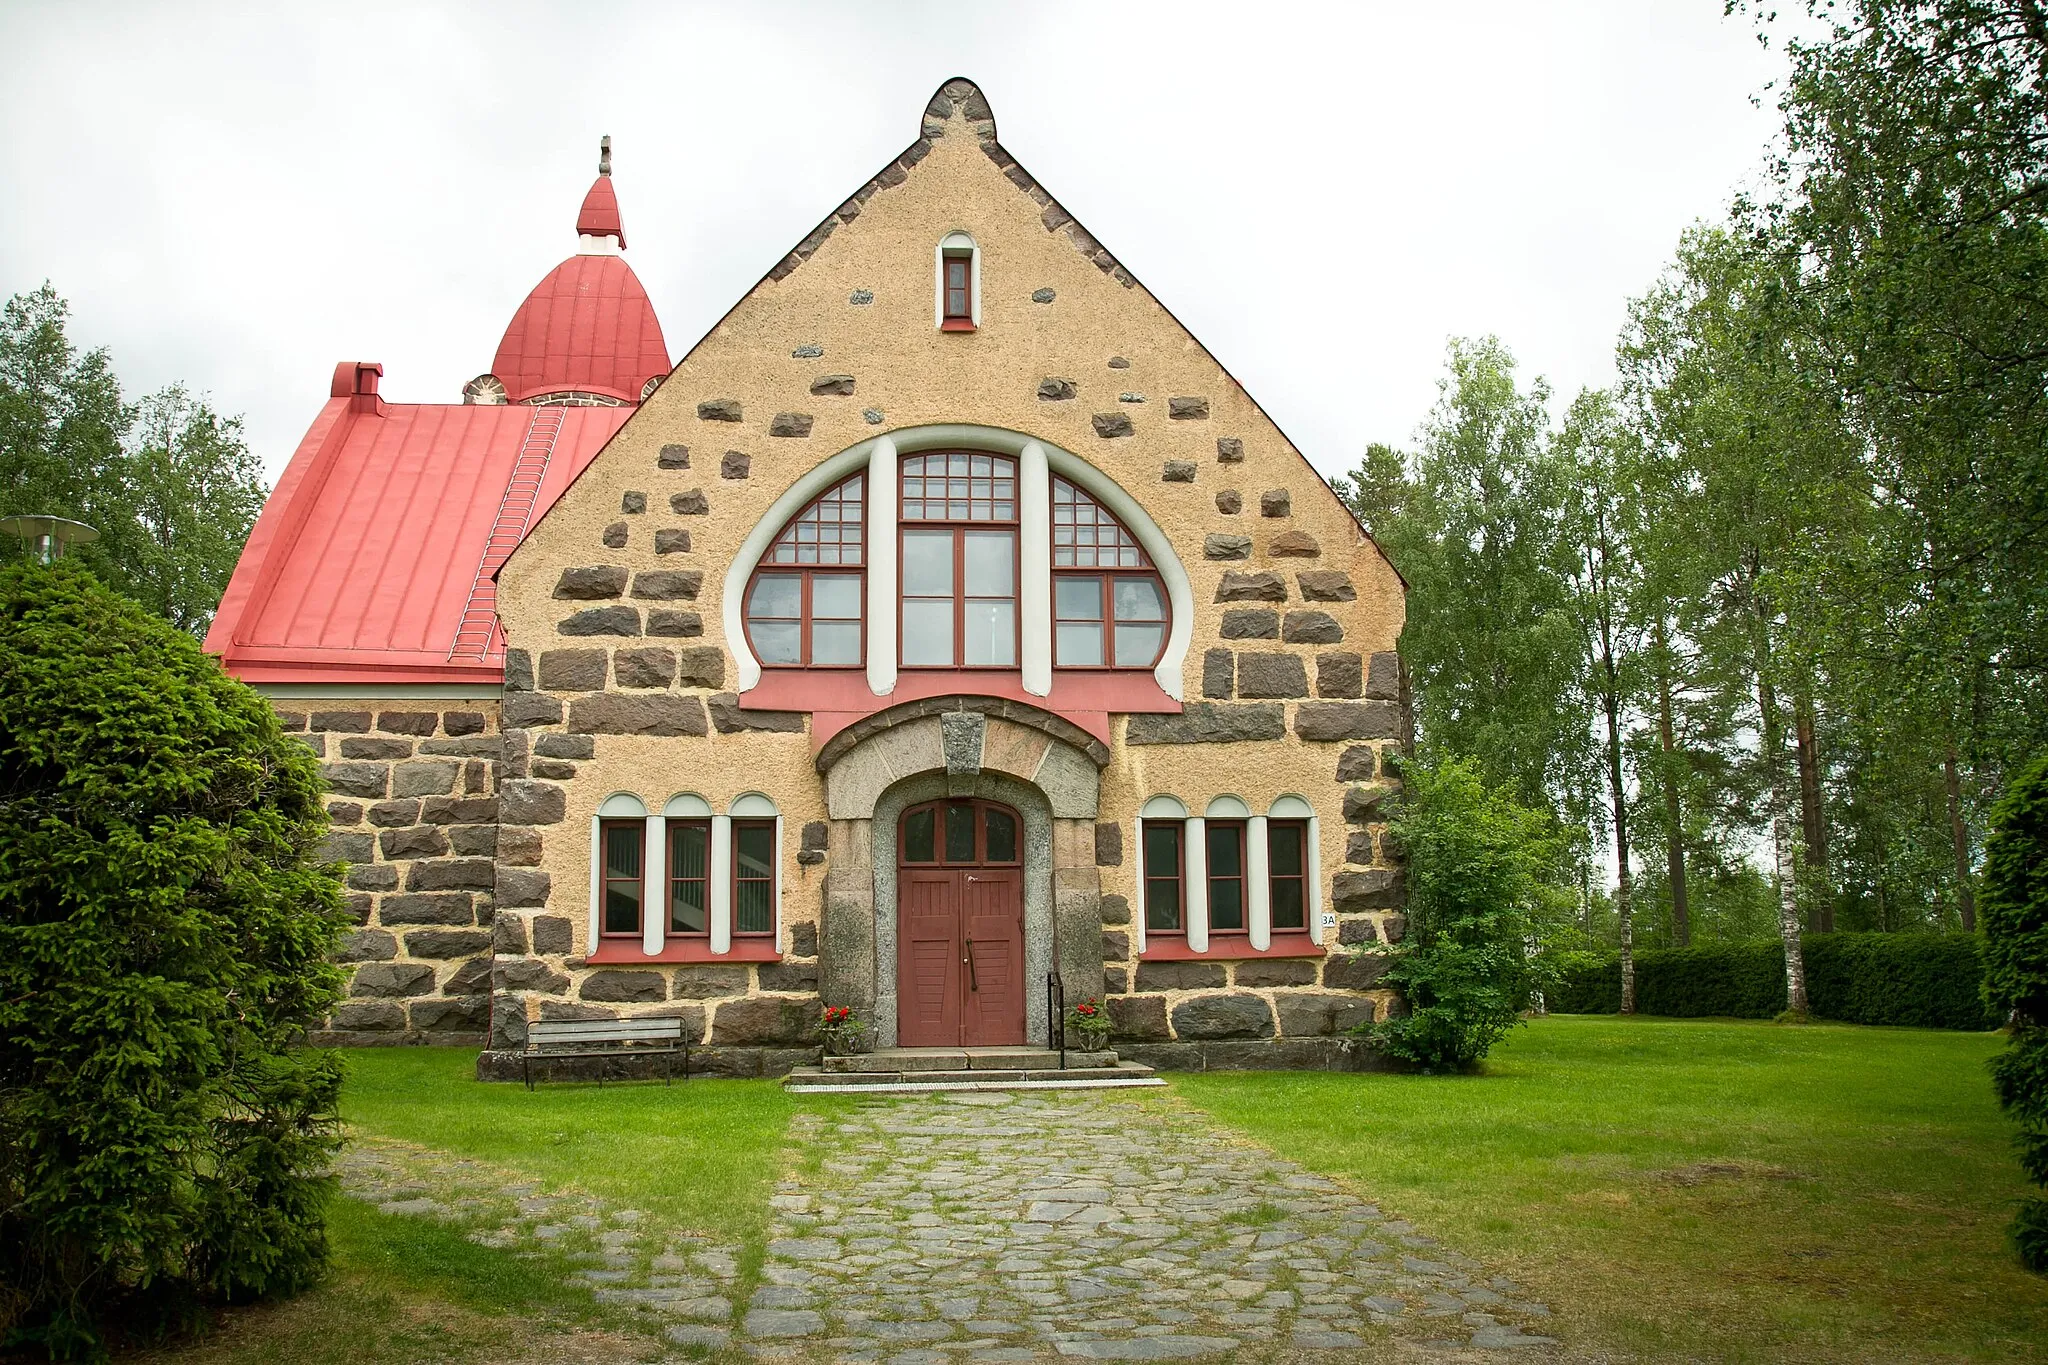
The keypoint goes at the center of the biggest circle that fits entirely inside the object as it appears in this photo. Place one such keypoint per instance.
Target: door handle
(968, 958)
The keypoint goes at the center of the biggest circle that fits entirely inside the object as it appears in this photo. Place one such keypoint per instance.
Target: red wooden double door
(960, 926)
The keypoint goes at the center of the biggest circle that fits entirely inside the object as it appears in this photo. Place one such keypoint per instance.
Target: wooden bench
(549, 1039)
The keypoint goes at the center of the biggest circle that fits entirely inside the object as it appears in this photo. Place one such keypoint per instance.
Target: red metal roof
(587, 327)
(367, 553)
(600, 216)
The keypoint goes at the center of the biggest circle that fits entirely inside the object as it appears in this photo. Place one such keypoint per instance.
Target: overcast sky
(239, 197)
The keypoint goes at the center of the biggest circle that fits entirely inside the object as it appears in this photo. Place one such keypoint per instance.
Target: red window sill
(1227, 948)
(622, 950)
(957, 325)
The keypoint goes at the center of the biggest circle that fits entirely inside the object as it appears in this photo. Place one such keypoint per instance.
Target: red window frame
(1298, 829)
(1243, 876)
(793, 566)
(981, 857)
(1108, 620)
(669, 878)
(738, 879)
(958, 318)
(1002, 468)
(1080, 520)
(606, 880)
(1178, 876)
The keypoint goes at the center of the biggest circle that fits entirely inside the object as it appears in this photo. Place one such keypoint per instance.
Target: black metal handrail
(1056, 1016)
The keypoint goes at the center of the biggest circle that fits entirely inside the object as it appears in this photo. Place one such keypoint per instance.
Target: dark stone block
(615, 536)
(763, 1019)
(527, 974)
(1204, 722)
(392, 978)
(602, 621)
(1115, 909)
(1395, 927)
(1116, 980)
(1177, 471)
(1279, 971)
(633, 504)
(508, 935)
(366, 945)
(1274, 502)
(553, 769)
(471, 746)
(1116, 946)
(1335, 720)
(1339, 675)
(1251, 587)
(674, 624)
(372, 877)
(400, 723)
(553, 934)
(708, 983)
(1229, 450)
(1321, 1016)
(1251, 623)
(451, 874)
(1139, 1018)
(1223, 1016)
(1376, 888)
(520, 888)
(354, 722)
(571, 1011)
(460, 810)
(1219, 677)
(790, 424)
(1312, 628)
(1109, 425)
(673, 456)
(668, 585)
(573, 670)
(468, 1014)
(471, 978)
(519, 847)
(731, 718)
(1117, 362)
(531, 708)
(344, 813)
(1358, 848)
(346, 848)
(418, 841)
(1383, 683)
(671, 542)
(518, 671)
(447, 943)
(1352, 932)
(719, 410)
(1055, 390)
(565, 746)
(1271, 675)
(424, 779)
(432, 907)
(1179, 976)
(624, 987)
(1188, 409)
(1294, 545)
(803, 940)
(692, 503)
(833, 386)
(1363, 805)
(644, 667)
(1326, 585)
(1043, 296)
(1230, 502)
(1221, 545)
(370, 1016)
(356, 906)
(1109, 844)
(532, 803)
(701, 666)
(291, 721)
(588, 584)
(789, 976)
(647, 714)
(1355, 971)
(357, 779)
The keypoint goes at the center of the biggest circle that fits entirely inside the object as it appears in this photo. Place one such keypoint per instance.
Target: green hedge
(1918, 980)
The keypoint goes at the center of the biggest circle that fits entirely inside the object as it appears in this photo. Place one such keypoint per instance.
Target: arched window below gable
(803, 605)
(1109, 606)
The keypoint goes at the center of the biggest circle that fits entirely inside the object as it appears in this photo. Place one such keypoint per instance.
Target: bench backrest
(596, 1032)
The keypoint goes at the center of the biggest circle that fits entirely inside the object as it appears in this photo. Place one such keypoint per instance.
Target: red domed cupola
(587, 333)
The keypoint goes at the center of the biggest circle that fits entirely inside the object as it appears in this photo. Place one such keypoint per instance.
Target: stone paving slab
(977, 1226)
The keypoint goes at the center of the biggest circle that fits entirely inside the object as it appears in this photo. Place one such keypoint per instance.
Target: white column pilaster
(1034, 562)
(1258, 885)
(1195, 882)
(721, 883)
(1138, 894)
(596, 883)
(653, 888)
(881, 555)
(1312, 884)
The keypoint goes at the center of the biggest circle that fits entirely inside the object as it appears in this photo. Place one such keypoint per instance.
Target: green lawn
(1691, 1189)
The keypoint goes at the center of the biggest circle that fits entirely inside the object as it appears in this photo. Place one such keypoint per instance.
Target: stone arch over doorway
(971, 747)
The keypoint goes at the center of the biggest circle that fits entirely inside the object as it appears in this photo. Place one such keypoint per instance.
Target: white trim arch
(882, 451)
(1292, 807)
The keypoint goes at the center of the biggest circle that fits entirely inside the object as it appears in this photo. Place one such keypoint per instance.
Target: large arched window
(959, 561)
(804, 603)
(1109, 607)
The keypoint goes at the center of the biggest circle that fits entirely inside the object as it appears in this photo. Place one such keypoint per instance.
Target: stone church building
(946, 619)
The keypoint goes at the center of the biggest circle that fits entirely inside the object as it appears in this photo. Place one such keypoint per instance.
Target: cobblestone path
(1094, 1225)
(921, 1230)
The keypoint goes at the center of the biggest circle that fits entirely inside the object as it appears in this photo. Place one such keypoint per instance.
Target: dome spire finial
(604, 155)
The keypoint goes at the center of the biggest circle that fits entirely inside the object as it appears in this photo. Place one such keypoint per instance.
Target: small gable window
(959, 283)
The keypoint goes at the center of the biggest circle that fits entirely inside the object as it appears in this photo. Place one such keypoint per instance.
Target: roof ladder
(479, 628)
